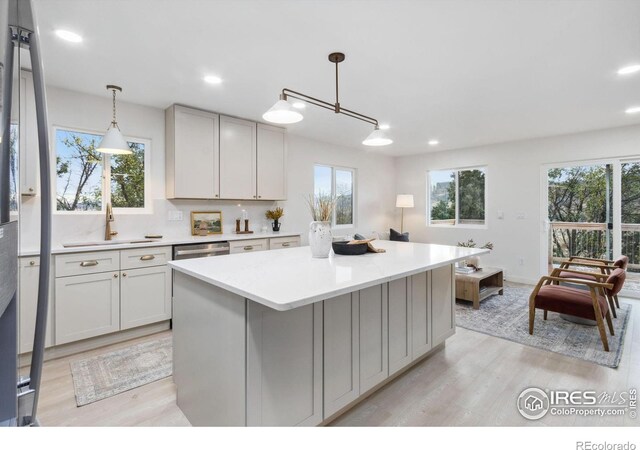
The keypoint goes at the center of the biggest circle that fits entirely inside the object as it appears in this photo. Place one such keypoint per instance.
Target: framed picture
(206, 222)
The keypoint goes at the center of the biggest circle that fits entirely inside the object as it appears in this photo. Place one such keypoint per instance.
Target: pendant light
(113, 142)
(283, 112)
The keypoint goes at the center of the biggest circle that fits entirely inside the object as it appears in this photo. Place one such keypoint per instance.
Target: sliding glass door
(594, 211)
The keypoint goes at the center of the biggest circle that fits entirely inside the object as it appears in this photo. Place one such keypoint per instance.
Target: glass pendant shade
(114, 143)
(283, 113)
(377, 138)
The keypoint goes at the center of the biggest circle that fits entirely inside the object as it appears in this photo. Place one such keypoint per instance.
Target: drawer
(136, 258)
(85, 263)
(249, 245)
(284, 242)
(29, 261)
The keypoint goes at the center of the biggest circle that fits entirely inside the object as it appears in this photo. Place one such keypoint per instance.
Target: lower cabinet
(341, 352)
(420, 315)
(145, 296)
(28, 294)
(374, 343)
(443, 309)
(86, 306)
(399, 325)
(284, 366)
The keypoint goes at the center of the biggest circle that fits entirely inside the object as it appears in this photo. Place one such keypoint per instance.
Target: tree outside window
(82, 171)
(340, 184)
(457, 197)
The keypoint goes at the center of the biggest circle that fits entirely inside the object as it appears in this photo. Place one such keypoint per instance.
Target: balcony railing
(590, 239)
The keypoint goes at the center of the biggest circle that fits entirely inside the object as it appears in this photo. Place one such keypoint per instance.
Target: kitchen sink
(102, 243)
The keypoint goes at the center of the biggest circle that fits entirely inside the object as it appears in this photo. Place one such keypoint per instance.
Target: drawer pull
(124, 274)
(286, 244)
(248, 247)
(115, 275)
(147, 258)
(32, 263)
(89, 263)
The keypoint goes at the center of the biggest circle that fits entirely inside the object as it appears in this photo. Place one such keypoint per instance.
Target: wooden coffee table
(476, 286)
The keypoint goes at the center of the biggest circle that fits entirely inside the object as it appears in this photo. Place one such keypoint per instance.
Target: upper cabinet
(192, 153)
(237, 159)
(271, 163)
(219, 157)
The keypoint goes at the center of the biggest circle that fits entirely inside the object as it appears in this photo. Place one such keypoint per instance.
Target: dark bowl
(344, 248)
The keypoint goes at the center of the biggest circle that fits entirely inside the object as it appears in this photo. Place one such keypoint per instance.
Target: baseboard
(522, 280)
(71, 348)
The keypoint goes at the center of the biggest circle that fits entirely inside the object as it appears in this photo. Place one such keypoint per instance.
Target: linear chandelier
(283, 112)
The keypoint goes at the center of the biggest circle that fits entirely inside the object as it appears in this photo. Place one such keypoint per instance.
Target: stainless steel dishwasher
(188, 251)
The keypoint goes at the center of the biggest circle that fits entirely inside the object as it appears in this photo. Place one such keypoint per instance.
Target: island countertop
(291, 278)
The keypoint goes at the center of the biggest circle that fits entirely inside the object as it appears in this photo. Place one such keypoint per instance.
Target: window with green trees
(87, 179)
(338, 183)
(456, 197)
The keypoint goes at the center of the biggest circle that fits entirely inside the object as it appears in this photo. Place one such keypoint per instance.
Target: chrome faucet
(108, 234)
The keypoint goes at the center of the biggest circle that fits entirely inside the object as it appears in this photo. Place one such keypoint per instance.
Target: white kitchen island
(280, 338)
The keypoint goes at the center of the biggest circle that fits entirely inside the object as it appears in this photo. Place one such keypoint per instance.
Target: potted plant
(321, 207)
(473, 260)
(275, 215)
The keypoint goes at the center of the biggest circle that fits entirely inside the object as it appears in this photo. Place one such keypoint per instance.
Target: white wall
(375, 193)
(513, 186)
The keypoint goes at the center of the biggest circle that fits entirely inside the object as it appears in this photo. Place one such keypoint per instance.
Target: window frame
(353, 172)
(105, 174)
(456, 219)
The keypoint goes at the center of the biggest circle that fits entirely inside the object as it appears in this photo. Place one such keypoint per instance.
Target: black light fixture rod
(337, 98)
(317, 102)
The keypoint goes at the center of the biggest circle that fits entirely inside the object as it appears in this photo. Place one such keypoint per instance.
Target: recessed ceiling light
(68, 36)
(384, 126)
(629, 69)
(633, 110)
(212, 79)
(299, 105)
(433, 142)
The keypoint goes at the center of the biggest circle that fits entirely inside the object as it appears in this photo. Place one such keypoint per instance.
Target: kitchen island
(280, 338)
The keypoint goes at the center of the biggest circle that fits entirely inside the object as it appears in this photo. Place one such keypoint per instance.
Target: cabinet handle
(30, 189)
(217, 196)
(259, 196)
(286, 244)
(88, 263)
(147, 258)
(124, 274)
(115, 275)
(248, 247)
(254, 196)
(32, 263)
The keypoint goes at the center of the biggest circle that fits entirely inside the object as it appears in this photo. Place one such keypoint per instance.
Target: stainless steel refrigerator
(19, 37)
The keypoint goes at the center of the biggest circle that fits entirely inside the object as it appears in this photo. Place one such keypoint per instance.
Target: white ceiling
(464, 72)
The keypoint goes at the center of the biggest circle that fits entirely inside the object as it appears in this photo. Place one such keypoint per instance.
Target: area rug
(507, 316)
(109, 374)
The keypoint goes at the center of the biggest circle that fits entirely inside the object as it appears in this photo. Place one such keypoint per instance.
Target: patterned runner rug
(507, 316)
(109, 374)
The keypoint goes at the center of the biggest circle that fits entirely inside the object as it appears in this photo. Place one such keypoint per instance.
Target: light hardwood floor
(475, 380)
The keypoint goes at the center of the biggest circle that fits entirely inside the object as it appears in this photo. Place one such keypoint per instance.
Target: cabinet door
(284, 366)
(271, 156)
(28, 295)
(192, 153)
(443, 311)
(399, 325)
(374, 344)
(420, 314)
(86, 306)
(145, 296)
(341, 349)
(28, 140)
(237, 159)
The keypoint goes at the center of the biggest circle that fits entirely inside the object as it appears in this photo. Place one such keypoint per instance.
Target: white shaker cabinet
(145, 296)
(86, 306)
(271, 163)
(399, 325)
(192, 153)
(420, 314)
(28, 137)
(374, 344)
(28, 294)
(237, 159)
(443, 304)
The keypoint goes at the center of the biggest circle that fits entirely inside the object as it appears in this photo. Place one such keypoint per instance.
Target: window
(86, 180)
(456, 197)
(339, 183)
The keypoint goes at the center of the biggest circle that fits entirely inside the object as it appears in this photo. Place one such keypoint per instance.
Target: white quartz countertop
(290, 278)
(123, 244)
